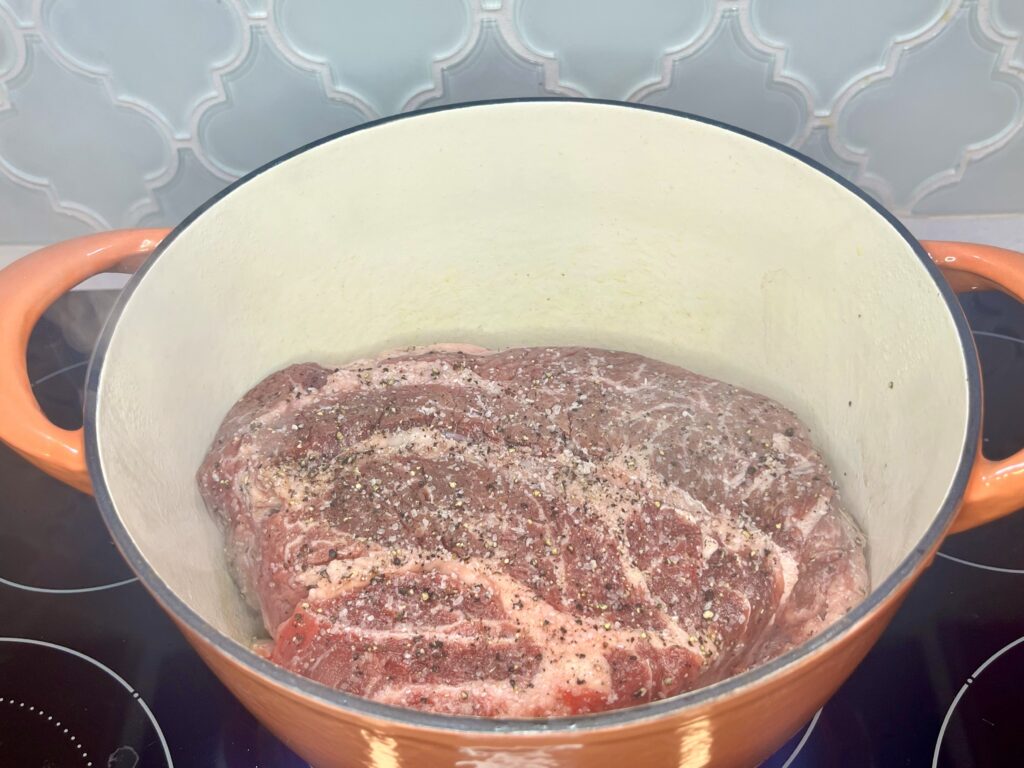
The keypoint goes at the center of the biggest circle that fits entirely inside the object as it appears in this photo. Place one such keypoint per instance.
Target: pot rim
(357, 705)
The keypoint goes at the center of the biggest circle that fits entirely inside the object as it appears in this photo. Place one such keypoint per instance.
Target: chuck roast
(533, 532)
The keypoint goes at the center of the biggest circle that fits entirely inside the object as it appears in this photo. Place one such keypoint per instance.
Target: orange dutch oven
(528, 222)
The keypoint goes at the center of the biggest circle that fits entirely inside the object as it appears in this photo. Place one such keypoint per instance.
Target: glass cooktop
(92, 673)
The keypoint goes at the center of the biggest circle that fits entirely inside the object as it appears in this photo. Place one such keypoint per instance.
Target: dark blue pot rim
(558, 725)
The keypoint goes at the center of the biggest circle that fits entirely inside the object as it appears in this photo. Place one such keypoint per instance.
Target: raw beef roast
(534, 532)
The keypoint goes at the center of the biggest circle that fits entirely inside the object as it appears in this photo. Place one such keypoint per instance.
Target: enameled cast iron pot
(528, 222)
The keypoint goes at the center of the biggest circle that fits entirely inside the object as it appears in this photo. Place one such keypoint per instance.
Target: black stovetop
(92, 673)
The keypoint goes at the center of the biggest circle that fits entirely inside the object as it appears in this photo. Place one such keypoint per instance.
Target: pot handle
(27, 288)
(995, 488)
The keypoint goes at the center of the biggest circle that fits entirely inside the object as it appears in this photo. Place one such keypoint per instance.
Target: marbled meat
(532, 532)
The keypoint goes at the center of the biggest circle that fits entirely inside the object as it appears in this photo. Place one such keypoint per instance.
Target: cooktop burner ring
(6, 580)
(963, 690)
(803, 739)
(58, 372)
(135, 696)
(72, 738)
(982, 566)
(80, 590)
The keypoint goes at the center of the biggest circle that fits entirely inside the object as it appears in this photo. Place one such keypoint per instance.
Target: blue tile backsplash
(127, 112)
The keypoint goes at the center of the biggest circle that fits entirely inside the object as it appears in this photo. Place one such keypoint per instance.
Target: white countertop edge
(1006, 231)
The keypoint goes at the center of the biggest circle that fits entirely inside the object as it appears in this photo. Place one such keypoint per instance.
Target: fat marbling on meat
(531, 532)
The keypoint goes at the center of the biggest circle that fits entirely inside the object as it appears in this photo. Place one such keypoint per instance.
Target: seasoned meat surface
(525, 533)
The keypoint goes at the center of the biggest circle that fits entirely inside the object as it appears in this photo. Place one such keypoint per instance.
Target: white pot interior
(536, 223)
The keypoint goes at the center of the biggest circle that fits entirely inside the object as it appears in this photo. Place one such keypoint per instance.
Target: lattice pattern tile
(122, 113)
